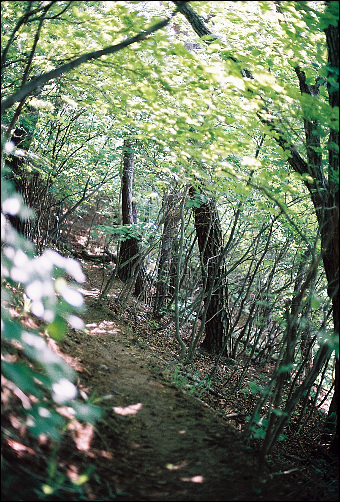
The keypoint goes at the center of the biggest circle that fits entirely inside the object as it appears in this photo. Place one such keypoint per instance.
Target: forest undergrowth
(168, 432)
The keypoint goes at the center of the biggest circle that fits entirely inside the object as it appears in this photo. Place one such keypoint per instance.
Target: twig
(279, 473)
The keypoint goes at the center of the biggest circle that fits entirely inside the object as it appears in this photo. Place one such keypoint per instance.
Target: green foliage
(259, 425)
(125, 232)
(59, 485)
(253, 387)
(193, 385)
(195, 120)
(39, 372)
(197, 200)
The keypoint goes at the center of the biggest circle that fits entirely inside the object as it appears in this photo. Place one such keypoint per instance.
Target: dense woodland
(203, 140)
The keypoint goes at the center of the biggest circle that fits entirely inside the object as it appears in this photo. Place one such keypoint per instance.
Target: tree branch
(24, 19)
(57, 72)
(295, 160)
(200, 28)
(196, 21)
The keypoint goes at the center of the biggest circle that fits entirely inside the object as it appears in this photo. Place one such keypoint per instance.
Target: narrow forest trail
(155, 442)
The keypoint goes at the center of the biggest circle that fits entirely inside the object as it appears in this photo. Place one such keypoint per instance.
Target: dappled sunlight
(194, 479)
(95, 453)
(169, 251)
(20, 448)
(94, 292)
(82, 434)
(44, 439)
(135, 445)
(9, 358)
(72, 361)
(8, 387)
(108, 327)
(72, 472)
(128, 410)
(181, 465)
(106, 454)
(82, 240)
(17, 424)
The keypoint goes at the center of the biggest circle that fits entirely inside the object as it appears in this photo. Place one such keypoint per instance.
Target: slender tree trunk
(293, 309)
(128, 265)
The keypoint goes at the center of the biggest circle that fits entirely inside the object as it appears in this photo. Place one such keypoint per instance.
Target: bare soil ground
(156, 441)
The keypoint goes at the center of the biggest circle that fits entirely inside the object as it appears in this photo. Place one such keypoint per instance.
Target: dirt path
(155, 442)
(164, 445)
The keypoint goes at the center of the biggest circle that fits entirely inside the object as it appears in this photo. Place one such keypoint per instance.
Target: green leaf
(315, 302)
(278, 412)
(259, 434)
(23, 377)
(42, 420)
(87, 412)
(35, 347)
(254, 387)
(285, 368)
(11, 330)
(57, 329)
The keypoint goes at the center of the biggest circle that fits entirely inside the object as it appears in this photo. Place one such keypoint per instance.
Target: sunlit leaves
(195, 117)
(63, 391)
(41, 288)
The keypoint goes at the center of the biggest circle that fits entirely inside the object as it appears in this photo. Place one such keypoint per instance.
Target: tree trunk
(128, 264)
(22, 139)
(331, 227)
(324, 193)
(171, 218)
(210, 244)
(293, 311)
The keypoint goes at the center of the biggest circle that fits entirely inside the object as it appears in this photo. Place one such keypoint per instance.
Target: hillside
(158, 440)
